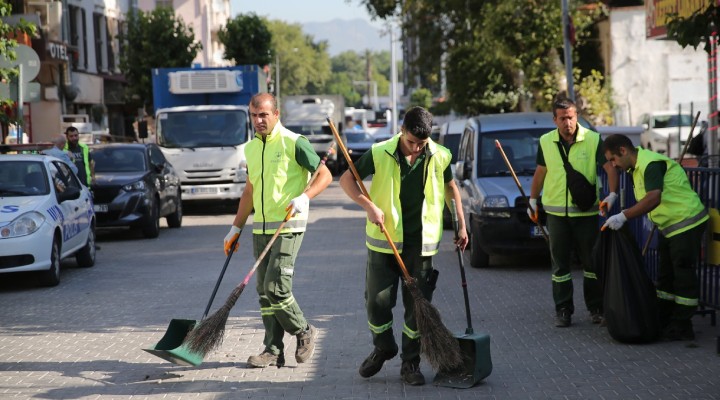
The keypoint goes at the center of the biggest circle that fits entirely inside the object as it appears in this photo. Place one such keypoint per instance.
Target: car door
(166, 181)
(74, 212)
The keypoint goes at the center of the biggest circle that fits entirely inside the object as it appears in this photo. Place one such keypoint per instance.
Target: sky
(302, 11)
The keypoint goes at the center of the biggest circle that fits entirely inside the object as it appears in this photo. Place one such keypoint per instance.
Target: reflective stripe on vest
(556, 198)
(385, 193)
(680, 208)
(276, 178)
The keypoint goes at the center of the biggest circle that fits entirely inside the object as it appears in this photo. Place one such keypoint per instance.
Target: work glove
(615, 222)
(231, 238)
(300, 204)
(532, 210)
(607, 204)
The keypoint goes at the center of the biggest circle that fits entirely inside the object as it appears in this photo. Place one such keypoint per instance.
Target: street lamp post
(393, 82)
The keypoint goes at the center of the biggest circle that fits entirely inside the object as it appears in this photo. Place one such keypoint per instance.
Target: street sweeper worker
(279, 164)
(411, 183)
(570, 228)
(663, 192)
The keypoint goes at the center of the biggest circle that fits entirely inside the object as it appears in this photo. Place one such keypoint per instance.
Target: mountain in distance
(348, 34)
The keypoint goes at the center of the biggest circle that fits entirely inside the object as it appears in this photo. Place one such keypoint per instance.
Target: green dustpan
(171, 347)
(475, 347)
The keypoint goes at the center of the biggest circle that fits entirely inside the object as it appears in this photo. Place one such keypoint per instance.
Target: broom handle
(680, 160)
(366, 194)
(266, 249)
(220, 278)
(453, 211)
(522, 192)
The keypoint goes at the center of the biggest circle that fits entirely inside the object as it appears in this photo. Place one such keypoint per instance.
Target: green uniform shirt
(411, 191)
(306, 156)
(655, 175)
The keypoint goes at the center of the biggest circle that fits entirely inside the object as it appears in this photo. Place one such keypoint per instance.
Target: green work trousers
(280, 312)
(383, 275)
(677, 283)
(578, 234)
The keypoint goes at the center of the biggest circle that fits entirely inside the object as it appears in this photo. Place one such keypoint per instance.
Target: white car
(661, 130)
(45, 215)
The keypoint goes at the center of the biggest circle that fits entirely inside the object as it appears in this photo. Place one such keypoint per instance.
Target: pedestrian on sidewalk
(279, 164)
(570, 228)
(411, 184)
(57, 151)
(663, 192)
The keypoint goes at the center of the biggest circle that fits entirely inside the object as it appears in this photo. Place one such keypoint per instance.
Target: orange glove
(532, 210)
(231, 238)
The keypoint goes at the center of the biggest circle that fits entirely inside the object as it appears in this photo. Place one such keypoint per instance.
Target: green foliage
(156, 39)
(421, 97)
(247, 40)
(690, 31)
(7, 52)
(349, 67)
(595, 99)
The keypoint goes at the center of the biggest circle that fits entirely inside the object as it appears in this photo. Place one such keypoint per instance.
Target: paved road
(83, 339)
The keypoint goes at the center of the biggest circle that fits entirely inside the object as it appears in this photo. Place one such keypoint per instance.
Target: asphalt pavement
(84, 338)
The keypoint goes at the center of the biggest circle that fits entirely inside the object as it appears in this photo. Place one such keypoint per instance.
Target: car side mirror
(158, 167)
(70, 193)
(460, 170)
(467, 170)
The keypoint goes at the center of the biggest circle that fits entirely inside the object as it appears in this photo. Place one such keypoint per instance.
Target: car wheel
(86, 256)
(151, 226)
(478, 258)
(174, 220)
(51, 277)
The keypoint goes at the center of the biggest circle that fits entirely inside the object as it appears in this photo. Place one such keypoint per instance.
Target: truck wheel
(478, 258)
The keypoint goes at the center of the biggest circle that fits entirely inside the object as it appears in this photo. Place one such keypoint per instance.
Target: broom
(437, 343)
(209, 333)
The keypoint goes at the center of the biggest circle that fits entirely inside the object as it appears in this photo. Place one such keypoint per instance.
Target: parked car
(46, 215)
(661, 129)
(495, 211)
(135, 186)
(450, 133)
(358, 142)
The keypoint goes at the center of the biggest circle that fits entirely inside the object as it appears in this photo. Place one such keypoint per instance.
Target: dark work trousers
(578, 234)
(382, 277)
(677, 284)
(280, 312)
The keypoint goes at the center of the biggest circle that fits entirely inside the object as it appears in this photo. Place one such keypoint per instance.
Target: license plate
(536, 232)
(100, 207)
(203, 190)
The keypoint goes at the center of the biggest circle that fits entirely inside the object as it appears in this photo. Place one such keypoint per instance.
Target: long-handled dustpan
(475, 347)
(171, 347)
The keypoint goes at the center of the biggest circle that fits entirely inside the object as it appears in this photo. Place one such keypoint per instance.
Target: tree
(247, 40)
(156, 39)
(7, 52)
(304, 63)
(694, 29)
(350, 66)
(421, 97)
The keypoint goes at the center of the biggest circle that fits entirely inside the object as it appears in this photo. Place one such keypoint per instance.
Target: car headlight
(496, 207)
(23, 225)
(134, 187)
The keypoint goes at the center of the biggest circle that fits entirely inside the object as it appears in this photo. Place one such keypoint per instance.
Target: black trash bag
(629, 299)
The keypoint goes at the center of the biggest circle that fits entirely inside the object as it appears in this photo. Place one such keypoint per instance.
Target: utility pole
(568, 50)
(393, 82)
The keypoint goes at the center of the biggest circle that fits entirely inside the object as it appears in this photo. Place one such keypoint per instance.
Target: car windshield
(119, 159)
(672, 121)
(23, 178)
(452, 142)
(520, 147)
(214, 128)
(310, 130)
(358, 137)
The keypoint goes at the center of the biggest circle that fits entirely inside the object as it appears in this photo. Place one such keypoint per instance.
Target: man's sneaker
(596, 317)
(410, 372)
(305, 344)
(374, 362)
(266, 359)
(562, 319)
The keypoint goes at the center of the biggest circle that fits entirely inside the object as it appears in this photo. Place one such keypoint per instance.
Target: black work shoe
(410, 372)
(374, 362)
(596, 316)
(678, 330)
(305, 344)
(562, 319)
(266, 359)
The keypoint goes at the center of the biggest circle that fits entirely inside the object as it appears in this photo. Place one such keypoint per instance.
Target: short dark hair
(418, 121)
(613, 143)
(70, 129)
(259, 98)
(562, 103)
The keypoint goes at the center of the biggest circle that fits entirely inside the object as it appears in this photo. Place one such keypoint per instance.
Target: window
(100, 40)
(163, 3)
(78, 37)
(111, 33)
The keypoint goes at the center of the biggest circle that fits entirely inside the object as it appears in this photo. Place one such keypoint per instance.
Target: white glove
(615, 222)
(607, 204)
(532, 210)
(230, 238)
(300, 204)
